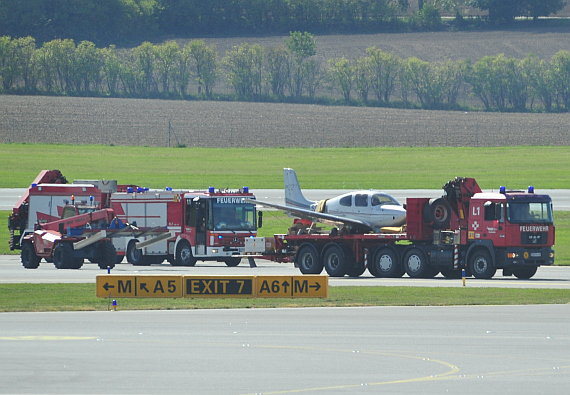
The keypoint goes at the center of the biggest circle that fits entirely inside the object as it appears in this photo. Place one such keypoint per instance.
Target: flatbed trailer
(464, 229)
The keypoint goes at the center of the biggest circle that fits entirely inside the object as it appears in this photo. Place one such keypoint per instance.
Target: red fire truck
(464, 229)
(207, 225)
(203, 225)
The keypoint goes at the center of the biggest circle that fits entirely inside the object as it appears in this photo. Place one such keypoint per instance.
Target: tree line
(289, 72)
(134, 21)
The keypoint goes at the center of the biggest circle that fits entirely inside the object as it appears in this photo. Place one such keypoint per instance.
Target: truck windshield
(530, 212)
(234, 217)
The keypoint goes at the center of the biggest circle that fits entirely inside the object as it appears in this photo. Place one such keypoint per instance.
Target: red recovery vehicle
(70, 240)
(464, 229)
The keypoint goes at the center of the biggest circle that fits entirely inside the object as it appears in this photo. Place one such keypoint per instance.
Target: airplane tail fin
(293, 195)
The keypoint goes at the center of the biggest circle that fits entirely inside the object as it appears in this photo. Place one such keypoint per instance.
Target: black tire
(107, 255)
(452, 274)
(119, 259)
(135, 255)
(524, 273)
(481, 265)
(232, 262)
(415, 263)
(386, 264)
(334, 261)
(28, 256)
(63, 256)
(77, 263)
(437, 213)
(184, 255)
(308, 260)
(356, 271)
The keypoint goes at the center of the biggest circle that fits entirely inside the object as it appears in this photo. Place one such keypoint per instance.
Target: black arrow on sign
(143, 286)
(107, 286)
(317, 286)
(285, 285)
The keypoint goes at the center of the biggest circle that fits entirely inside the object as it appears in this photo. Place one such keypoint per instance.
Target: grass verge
(81, 297)
(323, 168)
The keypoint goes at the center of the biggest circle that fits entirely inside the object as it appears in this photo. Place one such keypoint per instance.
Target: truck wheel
(107, 255)
(135, 255)
(308, 260)
(184, 254)
(437, 213)
(415, 263)
(77, 263)
(29, 258)
(480, 265)
(524, 273)
(386, 264)
(63, 256)
(335, 262)
(232, 262)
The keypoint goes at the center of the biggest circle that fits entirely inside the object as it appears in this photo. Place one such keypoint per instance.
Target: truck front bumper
(516, 257)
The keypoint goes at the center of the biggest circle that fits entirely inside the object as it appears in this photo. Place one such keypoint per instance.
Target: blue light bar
(245, 190)
(169, 188)
(219, 236)
(139, 190)
(130, 190)
(530, 189)
(91, 199)
(146, 189)
(211, 189)
(503, 190)
(34, 185)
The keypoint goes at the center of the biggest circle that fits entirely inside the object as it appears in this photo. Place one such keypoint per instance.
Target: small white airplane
(359, 211)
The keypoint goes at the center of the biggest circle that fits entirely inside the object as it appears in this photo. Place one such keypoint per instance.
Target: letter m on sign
(124, 287)
(301, 286)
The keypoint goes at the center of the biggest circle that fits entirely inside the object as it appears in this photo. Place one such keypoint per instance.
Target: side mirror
(259, 219)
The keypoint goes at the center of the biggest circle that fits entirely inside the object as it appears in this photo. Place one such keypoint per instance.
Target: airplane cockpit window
(381, 199)
(346, 201)
(361, 200)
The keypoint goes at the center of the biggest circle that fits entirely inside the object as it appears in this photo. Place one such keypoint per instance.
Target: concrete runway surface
(12, 271)
(409, 350)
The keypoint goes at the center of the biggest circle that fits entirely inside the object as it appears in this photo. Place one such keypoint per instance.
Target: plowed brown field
(234, 124)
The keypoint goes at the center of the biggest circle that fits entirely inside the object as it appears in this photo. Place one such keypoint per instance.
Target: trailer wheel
(437, 213)
(63, 256)
(524, 273)
(415, 263)
(335, 261)
(107, 255)
(30, 260)
(184, 254)
(135, 255)
(232, 262)
(308, 260)
(480, 265)
(386, 264)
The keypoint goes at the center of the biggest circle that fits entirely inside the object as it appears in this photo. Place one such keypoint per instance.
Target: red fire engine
(464, 229)
(205, 225)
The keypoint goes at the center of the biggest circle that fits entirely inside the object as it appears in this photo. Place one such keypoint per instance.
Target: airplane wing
(327, 219)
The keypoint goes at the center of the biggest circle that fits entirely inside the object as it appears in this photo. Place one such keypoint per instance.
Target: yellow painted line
(443, 376)
(47, 338)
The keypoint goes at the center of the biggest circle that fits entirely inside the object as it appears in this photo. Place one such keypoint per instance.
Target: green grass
(76, 297)
(259, 168)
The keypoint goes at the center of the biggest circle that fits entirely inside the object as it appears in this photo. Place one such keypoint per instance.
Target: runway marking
(47, 338)
(453, 370)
